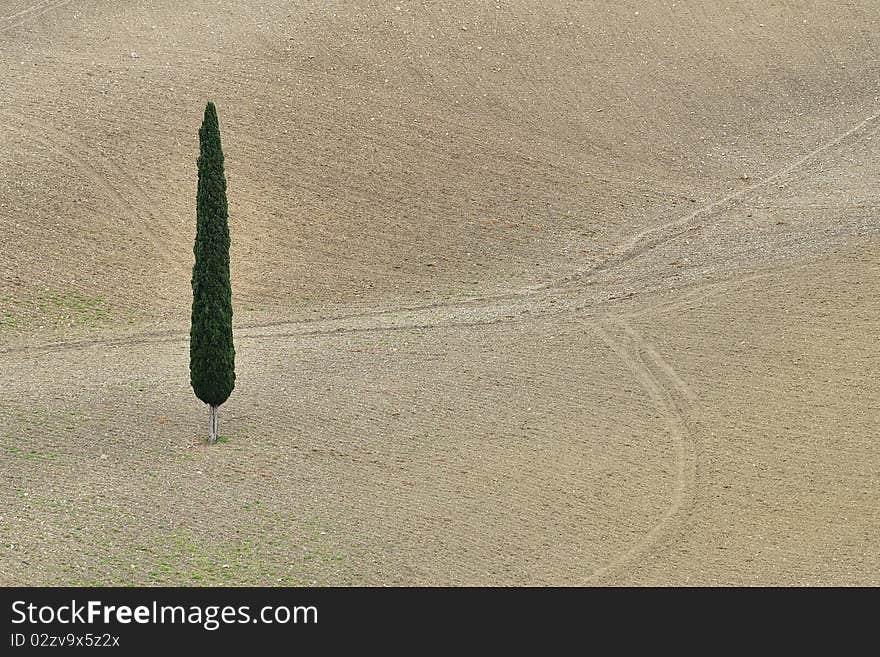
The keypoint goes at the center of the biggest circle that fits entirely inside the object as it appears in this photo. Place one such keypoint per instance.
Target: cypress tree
(211, 351)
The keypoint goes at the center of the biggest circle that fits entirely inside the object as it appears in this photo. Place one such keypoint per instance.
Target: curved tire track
(674, 400)
(102, 175)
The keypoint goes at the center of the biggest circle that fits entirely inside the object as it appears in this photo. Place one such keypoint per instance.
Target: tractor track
(675, 402)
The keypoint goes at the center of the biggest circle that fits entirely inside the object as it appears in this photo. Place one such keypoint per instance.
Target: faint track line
(83, 158)
(642, 242)
(22, 12)
(696, 293)
(171, 336)
(29, 14)
(674, 400)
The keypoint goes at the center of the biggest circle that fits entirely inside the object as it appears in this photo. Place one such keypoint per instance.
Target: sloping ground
(581, 294)
(407, 449)
(377, 154)
(784, 416)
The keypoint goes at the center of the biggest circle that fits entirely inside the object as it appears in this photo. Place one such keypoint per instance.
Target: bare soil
(578, 294)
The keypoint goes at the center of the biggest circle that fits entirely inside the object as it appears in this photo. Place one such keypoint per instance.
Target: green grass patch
(9, 320)
(10, 314)
(80, 307)
(183, 560)
(8, 445)
(55, 307)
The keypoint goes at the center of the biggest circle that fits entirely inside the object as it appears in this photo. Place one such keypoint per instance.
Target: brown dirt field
(524, 295)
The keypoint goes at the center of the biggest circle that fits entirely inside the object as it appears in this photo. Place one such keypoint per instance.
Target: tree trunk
(213, 438)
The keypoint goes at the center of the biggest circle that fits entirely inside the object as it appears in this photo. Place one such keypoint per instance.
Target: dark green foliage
(211, 352)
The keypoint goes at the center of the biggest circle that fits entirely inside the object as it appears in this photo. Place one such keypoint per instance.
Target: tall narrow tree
(211, 351)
